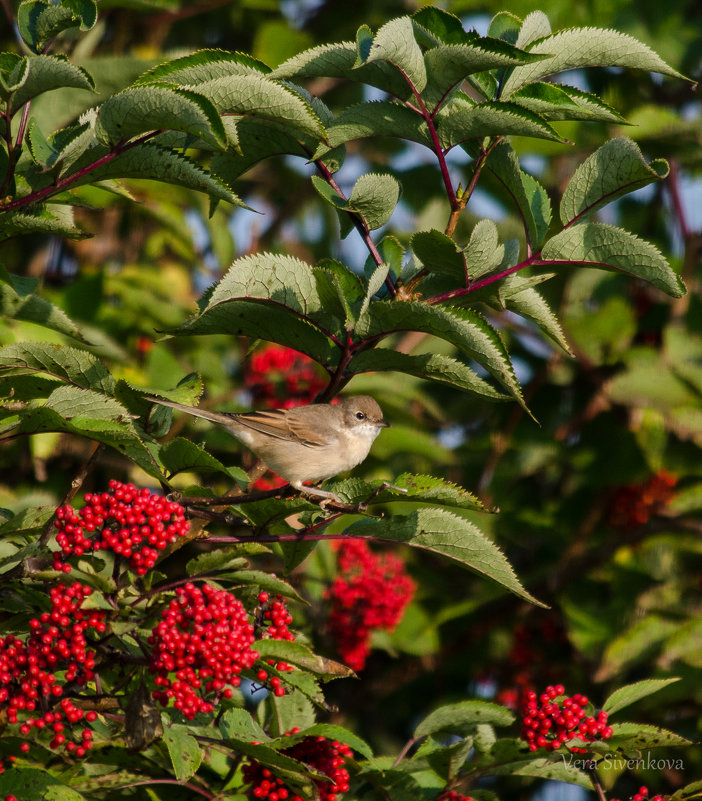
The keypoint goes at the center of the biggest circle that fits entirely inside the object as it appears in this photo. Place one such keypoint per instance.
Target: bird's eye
(360, 416)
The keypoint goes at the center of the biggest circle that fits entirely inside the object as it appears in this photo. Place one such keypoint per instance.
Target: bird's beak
(384, 423)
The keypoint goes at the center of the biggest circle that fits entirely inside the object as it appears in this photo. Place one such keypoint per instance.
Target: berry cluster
(550, 723)
(28, 669)
(131, 522)
(325, 756)
(453, 795)
(632, 506)
(370, 592)
(642, 795)
(200, 646)
(281, 378)
(274, 620)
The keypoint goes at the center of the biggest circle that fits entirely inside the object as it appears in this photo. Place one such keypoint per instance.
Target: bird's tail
(215, 417)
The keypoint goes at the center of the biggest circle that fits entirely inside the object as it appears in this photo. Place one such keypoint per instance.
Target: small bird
(306, 443)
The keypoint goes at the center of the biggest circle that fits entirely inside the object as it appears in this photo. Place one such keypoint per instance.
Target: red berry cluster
(550, 723)
(269, 481)
(29, 668)
(370, 592)
(452, 795)
(632, 506)
(274, 620)
(200, 646)
(642, 795)
(325, 756)
(131, 522)
(281, 378)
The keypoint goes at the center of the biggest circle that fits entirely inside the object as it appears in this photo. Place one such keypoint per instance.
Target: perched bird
(306, 443)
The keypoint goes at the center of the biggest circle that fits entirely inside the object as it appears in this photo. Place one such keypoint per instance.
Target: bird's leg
(329, 497)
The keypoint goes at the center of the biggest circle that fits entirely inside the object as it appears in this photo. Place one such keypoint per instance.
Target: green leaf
(14, 70)
(462, 120)
(186, 755)
(70, 402)
(266, 581)
(27, 522)
(46, 73)
(140, 109)
(448, 65)
(613, 170)
(255, 95)
(640, 736)
(461, 718)
(430, 489)
(529, 196)
(440, 26)
(395, 43)
(295, 653)
(374, 196)
(464, 328)
(331, 732)
(586, 47)
(377, 118)
(239, 723)
(631, 693)
(338, 60)
(201, 66)
(518, 296)
(391, 783)
(68, 364)
(33, 784)
(18, 302)
(554, 101)
(429, 366)
(181, 454)
(535, 26)
(59, 220)
(483, 253)
(439, 254)
(150, 161)
(217, 560)
(610, 248)
(439, 531)
(39, 20)
(263, 320)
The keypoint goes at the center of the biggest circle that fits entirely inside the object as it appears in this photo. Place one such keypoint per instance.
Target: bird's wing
(280, 424)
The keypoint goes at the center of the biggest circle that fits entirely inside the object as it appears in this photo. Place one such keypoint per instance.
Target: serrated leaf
(14, 70)
(441, 532)
(201, 66)
(377, 118)
(641, 736)
(59, 220)
(464, 328)
(429, 366)
(375, 282)
(68, 364)
(257, 96)
(462, 120)
(298, 654)
(266, 581)
(217, 560)
(554, 101)
(263, 320)
(448, 65)
(604, 246)
(150, 161)
(46, 73)
(18, 302)
(140, 109)
(331, 732)
(374, 196)
(33, 784)
(181, 454)
(613, 170)
(483, 253)
(239, 723)
(535, 26)
(395, 43)
(631, 693)
(439, 254)
(528, 194)
(523, 299)
(186, 755)
(586, 47)
(71, 402)
(39, 21)
(338, 60)
(440, 26)
(461, 718)
(28, 521)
